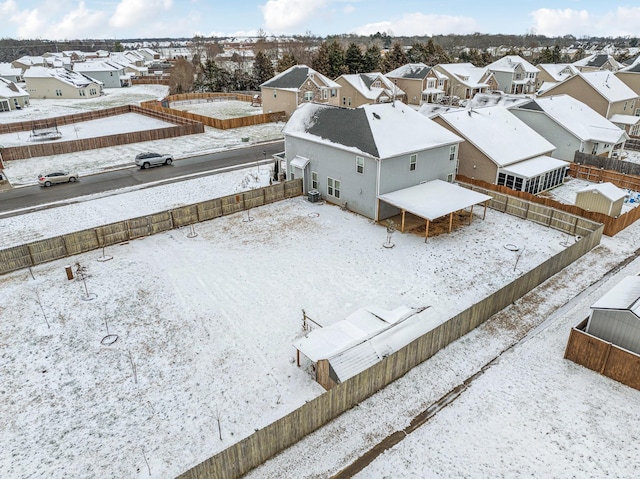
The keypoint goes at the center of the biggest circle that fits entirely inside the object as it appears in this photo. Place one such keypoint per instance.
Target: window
(431, 83)
(292, 170)
(359, 165)
(625, 105)
(58, 92)
(349, 101)
(638, 112)
(275, 94)
(441, 82)
(377, 84)
(344, 101)
(333, 187)
(450, 177)
(452, 152)
(308, 96)
(334, 92)
(83, 93)
(314, 180)
(413, 161)
(325, 94)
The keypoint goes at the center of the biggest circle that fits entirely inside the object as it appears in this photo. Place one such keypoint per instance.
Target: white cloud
(620, 22)
(8, 8)
(421, 24)
(131, 13)
(282, 16)
(348, 9)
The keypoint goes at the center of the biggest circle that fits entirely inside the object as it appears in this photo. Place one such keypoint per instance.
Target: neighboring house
(630, 76)
(348, 347)
(605, 93)
(150, 56)
(11, 73)
(295, 86)
(615, 317)
(12, 97)
(552, 73)
(501, 149)
(597, 62)
(604, 198)
(464, 80)
(366, 88)
(572, 126)
(514, 74)
(60, 83)
(132, 63)
(421, 83)
(354, 155)
(111, 74)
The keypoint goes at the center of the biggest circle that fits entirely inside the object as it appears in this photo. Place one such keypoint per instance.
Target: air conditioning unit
(313, 196)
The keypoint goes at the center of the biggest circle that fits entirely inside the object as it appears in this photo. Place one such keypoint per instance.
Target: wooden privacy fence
(217, 123)
(37, 252)
(612, 164)
(265, 443)
(524, 202)
(149, 80)
(183, 126)
(627, 181)
(603, 357)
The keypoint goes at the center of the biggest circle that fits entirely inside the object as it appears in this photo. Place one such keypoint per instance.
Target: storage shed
(604, 198)
(367, 336)
(615, 317)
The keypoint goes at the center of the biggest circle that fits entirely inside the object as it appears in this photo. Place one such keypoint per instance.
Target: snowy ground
(24, 172)
(205, 327)
(567, 193)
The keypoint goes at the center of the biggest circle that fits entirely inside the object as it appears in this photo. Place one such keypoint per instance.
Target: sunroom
(535, 175)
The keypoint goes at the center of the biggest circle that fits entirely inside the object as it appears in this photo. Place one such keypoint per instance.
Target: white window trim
(333, 187)
(452, 152)
(360, 165)
(413, 162)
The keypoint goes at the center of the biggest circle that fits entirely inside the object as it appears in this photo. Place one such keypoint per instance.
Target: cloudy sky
(80, 19)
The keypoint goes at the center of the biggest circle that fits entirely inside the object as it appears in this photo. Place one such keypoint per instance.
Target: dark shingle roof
(344, 126)
(367, 80)
(598, 61)
(295, 78)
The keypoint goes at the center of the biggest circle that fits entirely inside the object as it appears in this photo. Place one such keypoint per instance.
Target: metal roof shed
(434, 199)
(615, 317)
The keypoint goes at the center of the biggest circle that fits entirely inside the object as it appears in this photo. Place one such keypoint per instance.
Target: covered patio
(433, 200)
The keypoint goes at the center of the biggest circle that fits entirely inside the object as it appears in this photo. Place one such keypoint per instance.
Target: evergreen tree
(336, 60)
(262, 68)
(372, 59)
(320, 62)
(546, 56)
(395, 58)
(556, 56)
(287, 61)
(213, 78)
(353, 59)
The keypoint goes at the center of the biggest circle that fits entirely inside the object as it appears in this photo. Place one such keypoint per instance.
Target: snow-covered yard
(205, 324)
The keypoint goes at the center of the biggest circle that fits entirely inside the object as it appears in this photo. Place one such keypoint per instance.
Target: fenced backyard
(254, 450)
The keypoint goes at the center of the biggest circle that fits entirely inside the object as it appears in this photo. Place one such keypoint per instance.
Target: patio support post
(426, 231)
(402, 225)
(471, 215)
(450, 221)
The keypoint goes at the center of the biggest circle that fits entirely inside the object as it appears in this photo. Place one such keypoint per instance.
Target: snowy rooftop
(434, 199)
(72, 78)
(466, 73)
(497, 132)
(558, 71)
(380, 130)
(96, 66)
(294, 78)
(535, 166)
(609, 86)
(625, 295)
(9, 89)
(609, 190)
(509, 63)
(364, 84)
(410, 71)
(580, 119)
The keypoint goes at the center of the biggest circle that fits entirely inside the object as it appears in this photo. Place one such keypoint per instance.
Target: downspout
(377, 203)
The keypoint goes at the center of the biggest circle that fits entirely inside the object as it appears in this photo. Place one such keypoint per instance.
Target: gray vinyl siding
(358, 190)
(621, 328)
(431, 164)
(111, 79)
(504, 80)
(565, 142)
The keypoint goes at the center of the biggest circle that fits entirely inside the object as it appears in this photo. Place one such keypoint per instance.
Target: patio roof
(535, 166)
(434, 199)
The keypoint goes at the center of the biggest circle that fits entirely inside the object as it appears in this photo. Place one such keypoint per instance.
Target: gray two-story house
(353, 155)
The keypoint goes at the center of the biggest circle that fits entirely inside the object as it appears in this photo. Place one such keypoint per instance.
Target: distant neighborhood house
(295, 86)
(111, 74)
(365, 88)
(45, 83)
(464, 80)
(514, 74)
(420, 82)
(12, 97)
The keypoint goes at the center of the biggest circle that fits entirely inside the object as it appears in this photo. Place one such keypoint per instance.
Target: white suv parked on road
(146, 160)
